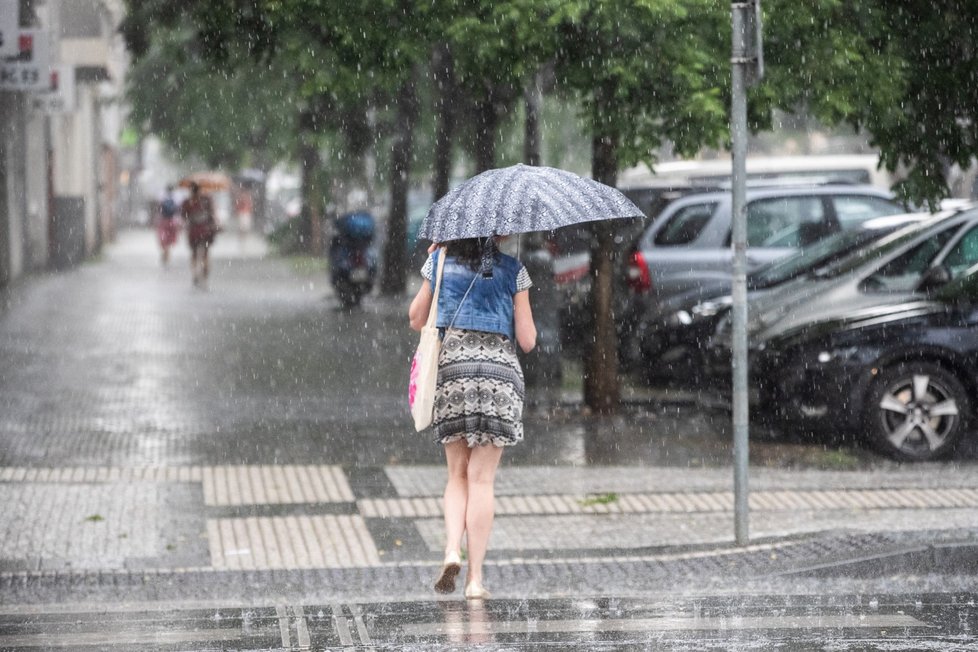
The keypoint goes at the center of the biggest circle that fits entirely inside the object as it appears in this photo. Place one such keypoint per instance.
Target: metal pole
(738, 137)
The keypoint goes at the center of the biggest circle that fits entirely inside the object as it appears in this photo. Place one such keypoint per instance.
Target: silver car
(688, 245)
(903, 266)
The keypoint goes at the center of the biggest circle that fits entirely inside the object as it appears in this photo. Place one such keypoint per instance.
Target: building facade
(63, 172)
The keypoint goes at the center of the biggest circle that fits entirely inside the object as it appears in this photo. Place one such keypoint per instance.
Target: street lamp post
(747, 66)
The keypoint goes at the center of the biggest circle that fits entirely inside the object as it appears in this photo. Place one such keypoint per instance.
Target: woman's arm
(420, 306)
(526, 330)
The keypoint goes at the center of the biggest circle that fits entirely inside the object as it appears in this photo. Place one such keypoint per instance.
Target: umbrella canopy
(520, 199)
(208, 181)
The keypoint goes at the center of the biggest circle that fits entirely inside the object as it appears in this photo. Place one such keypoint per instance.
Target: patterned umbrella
(520, 199)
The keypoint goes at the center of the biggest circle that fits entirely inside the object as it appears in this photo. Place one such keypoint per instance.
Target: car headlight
(682, 317)
(826, 356)
(711, 308)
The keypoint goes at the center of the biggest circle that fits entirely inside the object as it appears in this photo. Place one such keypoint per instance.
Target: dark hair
(469, 250)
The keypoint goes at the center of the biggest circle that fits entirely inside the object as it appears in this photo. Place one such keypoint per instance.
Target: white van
(673, 179)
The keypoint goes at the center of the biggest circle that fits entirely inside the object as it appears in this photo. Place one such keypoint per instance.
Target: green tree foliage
(367, 55)
(225, 118)
(906, 73)
(642, 73)
(646, 71)
(495, 47)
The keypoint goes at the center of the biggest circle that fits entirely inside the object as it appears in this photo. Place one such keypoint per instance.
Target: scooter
(353, 258)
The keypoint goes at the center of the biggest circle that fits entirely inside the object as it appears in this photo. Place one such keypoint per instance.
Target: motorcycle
(353, 258)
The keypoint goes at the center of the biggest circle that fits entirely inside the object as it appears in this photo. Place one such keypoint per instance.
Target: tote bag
(424, 366)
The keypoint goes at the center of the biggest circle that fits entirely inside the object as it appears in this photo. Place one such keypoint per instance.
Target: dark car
(666, 335)
(903, 266)
(902, 376)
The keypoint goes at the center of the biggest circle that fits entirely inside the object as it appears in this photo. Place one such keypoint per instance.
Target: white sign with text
(60, 97)
(28, 69)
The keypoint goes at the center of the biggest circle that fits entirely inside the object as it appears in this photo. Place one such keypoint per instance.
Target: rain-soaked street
(236, 469)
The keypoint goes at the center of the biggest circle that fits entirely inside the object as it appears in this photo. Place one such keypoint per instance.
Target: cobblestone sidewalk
(153, 430)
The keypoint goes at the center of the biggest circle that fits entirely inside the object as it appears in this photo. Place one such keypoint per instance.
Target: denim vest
(489, 304)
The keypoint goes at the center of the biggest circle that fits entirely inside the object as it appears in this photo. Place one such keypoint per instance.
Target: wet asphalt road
(122, 365)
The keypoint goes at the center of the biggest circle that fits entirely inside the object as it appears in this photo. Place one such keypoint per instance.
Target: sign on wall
(9, 22)
(60, 96)
(28, 69)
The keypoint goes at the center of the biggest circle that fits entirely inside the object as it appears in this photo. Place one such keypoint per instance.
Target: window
(685, 225)
(902, 274)
(963, 254)
(785, 222)
(853, 210)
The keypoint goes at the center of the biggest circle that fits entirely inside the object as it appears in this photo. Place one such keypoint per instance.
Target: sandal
(475, 591)
(449, 571)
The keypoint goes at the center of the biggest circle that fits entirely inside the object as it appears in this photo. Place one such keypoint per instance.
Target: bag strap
(433, 312)
(462, 301)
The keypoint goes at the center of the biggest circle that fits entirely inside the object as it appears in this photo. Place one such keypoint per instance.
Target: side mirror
(934, 278)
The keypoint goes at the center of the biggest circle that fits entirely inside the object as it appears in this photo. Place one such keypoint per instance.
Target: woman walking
(198, 212)
(483, 308)
(167, 224)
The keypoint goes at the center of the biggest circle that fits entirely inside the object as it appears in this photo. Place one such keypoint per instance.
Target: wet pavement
(942, 622)
(236, 469)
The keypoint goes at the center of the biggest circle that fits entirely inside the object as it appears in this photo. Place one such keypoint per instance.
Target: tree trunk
(601, 387)
(444, 76)
(485, 135)
(311, 196)
(533, 98)
(394, 277)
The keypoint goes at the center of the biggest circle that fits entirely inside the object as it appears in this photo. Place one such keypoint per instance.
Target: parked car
(666, 340)
(901, 375)
(688, 245)
(902, 266)
(570, 248)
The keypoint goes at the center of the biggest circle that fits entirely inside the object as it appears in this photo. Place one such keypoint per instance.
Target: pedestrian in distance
(167, 224)
(244, 205)
(202, 228)
(483, 309)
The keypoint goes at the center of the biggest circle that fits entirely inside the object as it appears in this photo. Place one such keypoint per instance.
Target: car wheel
(916, 411)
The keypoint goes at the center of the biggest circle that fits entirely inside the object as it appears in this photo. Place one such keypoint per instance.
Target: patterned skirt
(479, 393)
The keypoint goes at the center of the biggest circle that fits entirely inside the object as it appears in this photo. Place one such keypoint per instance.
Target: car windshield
(883, 247)
(829, 249)
(960, 290)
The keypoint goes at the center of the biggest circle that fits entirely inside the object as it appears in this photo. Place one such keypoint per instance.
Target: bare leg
(479, 512)
(456, 494)
(205, 253)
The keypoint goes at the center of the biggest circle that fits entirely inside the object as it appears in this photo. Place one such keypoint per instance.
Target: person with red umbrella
(202, 227)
